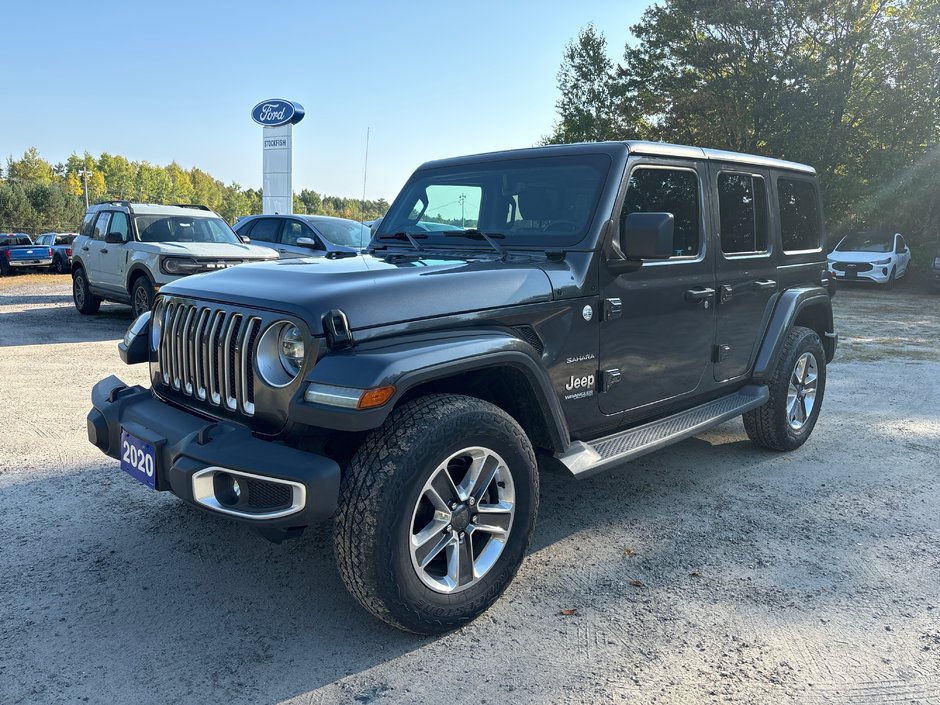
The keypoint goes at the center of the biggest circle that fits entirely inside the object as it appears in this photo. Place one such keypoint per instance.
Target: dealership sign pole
(277, 116)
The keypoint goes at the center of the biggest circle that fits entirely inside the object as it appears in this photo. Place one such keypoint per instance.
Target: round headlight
(290, 348)
(280, 355)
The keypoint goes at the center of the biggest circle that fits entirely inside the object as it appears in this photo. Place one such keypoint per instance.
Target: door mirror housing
(114, 239)
(647, 235)
(309, 242)
(244, 239)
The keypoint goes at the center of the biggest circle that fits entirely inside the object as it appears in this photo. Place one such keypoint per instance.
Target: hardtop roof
(659, 149)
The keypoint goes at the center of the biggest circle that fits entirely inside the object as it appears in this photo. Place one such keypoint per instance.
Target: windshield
(545, 201)
(180, 228)
(347, 233)
(866, 242)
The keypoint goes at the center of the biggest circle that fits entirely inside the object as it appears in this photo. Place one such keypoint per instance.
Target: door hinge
(609, 379)
(721, 352)
(613, 309)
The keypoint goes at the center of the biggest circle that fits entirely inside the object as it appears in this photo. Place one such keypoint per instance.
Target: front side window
(347, 233)
(541, 201)
(294, 230)
(163, 228)
(101, 226)
(742, 213)
(119, 225)
(655, 190)
(800, 226)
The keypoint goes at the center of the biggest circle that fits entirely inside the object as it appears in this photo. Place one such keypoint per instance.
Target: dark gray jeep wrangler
(580, 305)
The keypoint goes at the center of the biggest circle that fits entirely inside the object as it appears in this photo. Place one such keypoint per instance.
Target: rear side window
(86, 224)
(265, 230)
(742, 213)
(668, 191)
(799, 215)
(101, 226)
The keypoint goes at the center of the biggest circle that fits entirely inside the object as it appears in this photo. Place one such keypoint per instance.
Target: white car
(870, 256)
(127, 251)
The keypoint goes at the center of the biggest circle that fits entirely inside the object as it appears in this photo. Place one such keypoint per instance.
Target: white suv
(127, 251)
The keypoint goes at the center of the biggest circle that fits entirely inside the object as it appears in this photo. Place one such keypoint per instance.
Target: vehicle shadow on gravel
(60, 324)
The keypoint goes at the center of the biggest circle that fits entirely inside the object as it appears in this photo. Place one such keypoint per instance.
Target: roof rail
(197, 206)
(112, 202)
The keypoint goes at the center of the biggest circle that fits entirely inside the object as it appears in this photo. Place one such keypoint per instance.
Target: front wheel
(787, 419)
(435, 514)
(141, 295)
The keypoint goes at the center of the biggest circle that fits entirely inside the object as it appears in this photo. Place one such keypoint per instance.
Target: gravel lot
(709, 572)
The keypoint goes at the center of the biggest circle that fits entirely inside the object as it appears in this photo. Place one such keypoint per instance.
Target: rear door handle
(765, 284)
(104, 251)
(85, 248)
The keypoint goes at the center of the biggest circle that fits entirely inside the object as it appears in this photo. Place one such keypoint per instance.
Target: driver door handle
(765, 284)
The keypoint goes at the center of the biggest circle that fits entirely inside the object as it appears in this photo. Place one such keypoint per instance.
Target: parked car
(127, 251)
(590, 312)
(61, 244)
(304, 235)
(874, 256)
(17, 250)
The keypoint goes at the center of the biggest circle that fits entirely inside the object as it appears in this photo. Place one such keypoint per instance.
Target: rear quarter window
(800, 223)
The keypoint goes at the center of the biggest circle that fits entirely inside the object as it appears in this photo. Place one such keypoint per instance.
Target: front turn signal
(372, 398)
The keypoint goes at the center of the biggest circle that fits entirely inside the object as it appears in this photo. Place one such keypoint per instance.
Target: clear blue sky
(164, 81)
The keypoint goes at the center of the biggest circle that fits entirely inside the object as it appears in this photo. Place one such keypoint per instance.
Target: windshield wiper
(475, 234)
(405, 236)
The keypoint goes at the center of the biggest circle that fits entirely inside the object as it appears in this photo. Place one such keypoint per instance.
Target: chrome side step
(584, 459)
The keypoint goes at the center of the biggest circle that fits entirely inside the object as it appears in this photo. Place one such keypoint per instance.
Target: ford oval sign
(272, 113)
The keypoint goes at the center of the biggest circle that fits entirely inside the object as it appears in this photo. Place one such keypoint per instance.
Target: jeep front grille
(208, 353)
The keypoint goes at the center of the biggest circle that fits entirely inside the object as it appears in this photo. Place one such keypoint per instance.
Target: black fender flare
(789, 305)
(405, 364)
(132, 272)
(77, 263)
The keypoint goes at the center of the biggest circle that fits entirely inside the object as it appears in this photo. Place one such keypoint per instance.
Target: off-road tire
(768, 425)
(141, 291)
(86, 302)
(380, 487)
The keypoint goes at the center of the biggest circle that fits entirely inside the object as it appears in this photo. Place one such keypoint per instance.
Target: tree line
(37, 196)
(851, 87)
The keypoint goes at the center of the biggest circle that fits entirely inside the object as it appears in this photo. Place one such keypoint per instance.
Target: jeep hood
(369, 290)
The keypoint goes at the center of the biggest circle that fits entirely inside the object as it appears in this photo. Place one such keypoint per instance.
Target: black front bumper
(186, 444)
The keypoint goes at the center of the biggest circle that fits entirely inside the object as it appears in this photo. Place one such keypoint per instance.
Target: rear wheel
(4, 267)
(86, 302)
(436, 510)
(796, 394)
(59, 265)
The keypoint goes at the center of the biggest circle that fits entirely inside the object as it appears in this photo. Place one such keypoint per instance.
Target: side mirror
(114, 239)
(309, 242)
(244, 239)
(647, 235)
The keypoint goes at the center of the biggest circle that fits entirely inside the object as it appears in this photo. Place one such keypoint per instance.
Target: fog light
(226, 488)
(884, 270)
